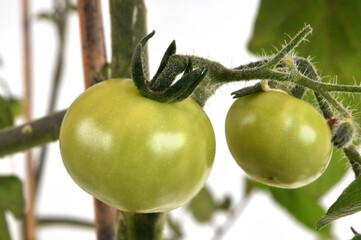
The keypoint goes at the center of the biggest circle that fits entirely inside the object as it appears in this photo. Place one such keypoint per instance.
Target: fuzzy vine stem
(301, 36)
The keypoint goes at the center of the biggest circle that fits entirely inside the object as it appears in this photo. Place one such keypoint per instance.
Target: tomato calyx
(343, 132)
(260, 86)
(162, 87)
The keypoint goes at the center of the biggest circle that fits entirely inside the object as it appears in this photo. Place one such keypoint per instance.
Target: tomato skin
(277, 139)
(134, 153)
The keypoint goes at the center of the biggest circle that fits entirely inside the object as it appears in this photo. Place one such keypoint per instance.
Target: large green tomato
(277, 139)
(134, 153)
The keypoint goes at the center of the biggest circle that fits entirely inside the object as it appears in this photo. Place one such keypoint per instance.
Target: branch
(51, 221)
(94, 58)
(30, 173)
(31, 134)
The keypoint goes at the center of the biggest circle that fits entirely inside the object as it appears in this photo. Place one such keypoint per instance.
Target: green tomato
(134, 153)
(277, 139)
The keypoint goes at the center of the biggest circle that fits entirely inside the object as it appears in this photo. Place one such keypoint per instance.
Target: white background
(218, 30)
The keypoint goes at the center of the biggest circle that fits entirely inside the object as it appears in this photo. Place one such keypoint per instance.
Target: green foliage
(11, 199)
(301, 205)
(203, 206)
(16, 107)
(6, 117)
(349, 202)
(335, 171)
(175, 228)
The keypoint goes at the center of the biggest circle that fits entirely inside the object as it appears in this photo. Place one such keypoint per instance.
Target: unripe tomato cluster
(140, 155)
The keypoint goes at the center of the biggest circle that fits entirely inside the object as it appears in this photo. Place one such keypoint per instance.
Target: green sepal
(171, 50)
(162, 89)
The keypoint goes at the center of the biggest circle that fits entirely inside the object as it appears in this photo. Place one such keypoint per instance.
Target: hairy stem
(355, 159)
(289, 47)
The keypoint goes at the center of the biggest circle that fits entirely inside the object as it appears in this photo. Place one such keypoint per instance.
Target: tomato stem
(161, 88)
(301, 36)
(140, 226)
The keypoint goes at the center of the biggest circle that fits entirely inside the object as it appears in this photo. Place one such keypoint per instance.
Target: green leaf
(175, 228)
(349, 202)
(11, 199)
(225, 204)
(357, 237)
(301, 205)
(45, 16)
(6, 117)
(16, 107)
(11, 195)
(72, 7)
(335, 171)
(4, 231)
(203, 206)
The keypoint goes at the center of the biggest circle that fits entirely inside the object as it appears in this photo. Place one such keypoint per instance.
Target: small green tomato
(134, 153)
(277, 139)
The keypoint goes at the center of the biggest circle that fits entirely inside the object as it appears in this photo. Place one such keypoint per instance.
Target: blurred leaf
(349, 202)
(4, 230)
(11, 195)
(6, 118)
(175, 228)
(225, 204)
(11, 199)
(301, 205)
(335, 171)
(16, 107)
(45, 16)
(202, 206)
(72, 7)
